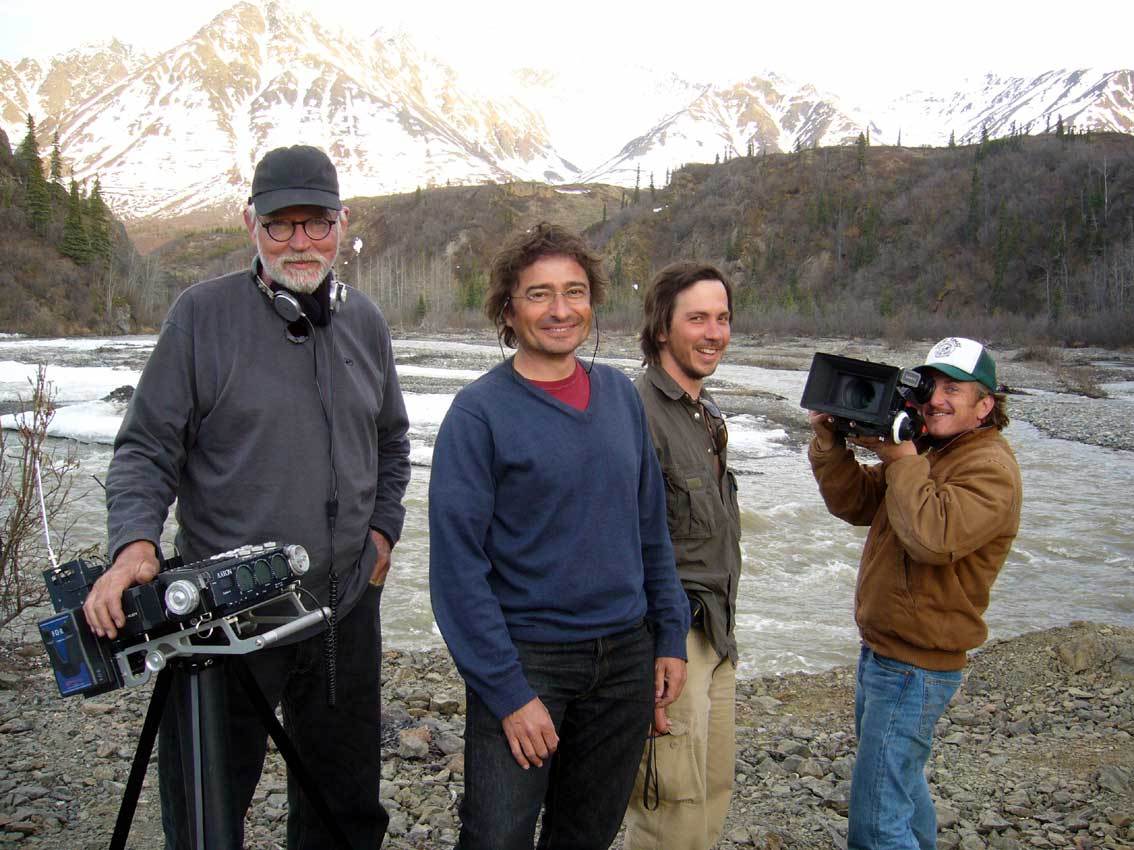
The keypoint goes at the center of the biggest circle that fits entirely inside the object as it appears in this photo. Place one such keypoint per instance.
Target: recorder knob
(182, 597)
(298, 558)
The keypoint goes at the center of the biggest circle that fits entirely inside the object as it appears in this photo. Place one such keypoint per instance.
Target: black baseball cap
(299, 176)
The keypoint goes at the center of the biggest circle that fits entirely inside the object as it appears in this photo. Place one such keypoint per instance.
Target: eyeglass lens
(281, 230)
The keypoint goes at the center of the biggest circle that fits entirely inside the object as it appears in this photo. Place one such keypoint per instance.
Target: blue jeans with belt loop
(600, 695)
(896, 707)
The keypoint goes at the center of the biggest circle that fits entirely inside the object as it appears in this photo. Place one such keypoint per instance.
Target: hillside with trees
(68, 266)
(1023, 238)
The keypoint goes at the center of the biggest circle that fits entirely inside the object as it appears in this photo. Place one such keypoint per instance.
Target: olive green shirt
(702, 512)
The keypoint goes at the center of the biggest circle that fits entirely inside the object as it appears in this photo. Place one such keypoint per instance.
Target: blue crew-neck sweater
(546, 524)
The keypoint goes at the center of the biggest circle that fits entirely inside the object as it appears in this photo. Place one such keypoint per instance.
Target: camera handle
(201, 709)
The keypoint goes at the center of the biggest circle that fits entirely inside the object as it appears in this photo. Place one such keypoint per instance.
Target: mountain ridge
(176, 134)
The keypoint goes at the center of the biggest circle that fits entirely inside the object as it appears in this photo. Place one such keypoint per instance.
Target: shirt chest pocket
(689, 506)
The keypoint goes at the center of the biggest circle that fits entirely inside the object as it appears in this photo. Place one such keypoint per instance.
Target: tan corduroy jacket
(941, 525)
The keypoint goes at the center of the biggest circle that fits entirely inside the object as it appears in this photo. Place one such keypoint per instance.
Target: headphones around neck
(287, 305)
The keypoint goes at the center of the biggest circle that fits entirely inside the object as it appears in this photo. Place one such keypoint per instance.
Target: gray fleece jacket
(238, 424)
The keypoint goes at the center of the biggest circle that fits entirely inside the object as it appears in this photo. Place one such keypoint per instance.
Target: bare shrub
(1081, 380)
(1041, 354)
(23, 549)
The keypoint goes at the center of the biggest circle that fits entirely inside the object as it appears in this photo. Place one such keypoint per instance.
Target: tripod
(201, 712)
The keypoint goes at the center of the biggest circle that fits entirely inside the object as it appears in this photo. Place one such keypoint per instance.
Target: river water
(1073, 559)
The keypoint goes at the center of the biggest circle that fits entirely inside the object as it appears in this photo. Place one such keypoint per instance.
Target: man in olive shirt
(682, 793)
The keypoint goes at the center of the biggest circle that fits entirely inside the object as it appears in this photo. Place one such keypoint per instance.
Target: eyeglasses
(573, 294)
(281, 230)
(719, 433)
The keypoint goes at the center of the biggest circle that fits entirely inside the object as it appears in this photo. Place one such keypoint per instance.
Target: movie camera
(867, 399)
(203, 608)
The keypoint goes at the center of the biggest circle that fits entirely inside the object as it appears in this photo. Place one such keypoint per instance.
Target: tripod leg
(202, 707)
(288, 751)
(141, 761)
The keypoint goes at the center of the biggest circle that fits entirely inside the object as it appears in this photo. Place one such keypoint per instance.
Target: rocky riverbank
(1037, 750)
(1061, 391)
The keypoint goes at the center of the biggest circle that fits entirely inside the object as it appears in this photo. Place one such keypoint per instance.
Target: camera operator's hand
(136, 563)
(887, 450)
(823, 424)
(382, 565)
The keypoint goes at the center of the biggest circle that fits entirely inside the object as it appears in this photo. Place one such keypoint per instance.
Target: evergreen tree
(972, 224)
(717, 160)
(604, 212)
(1059, 126)
(952, 138)
(37, 199)
(56, 169)
(653, 192)
(75, 243)
(27, 154)
(860, 154)
(899, 137)
(637, 183)
(98, 226)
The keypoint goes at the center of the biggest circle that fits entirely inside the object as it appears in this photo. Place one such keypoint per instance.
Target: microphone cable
(327, 405)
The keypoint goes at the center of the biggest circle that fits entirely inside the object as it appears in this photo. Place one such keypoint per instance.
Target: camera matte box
(851, 389)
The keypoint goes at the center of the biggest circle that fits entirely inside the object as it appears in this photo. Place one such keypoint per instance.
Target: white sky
(871, 48)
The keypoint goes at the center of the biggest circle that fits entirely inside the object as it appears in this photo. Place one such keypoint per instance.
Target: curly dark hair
(524, 249)
(661, 295)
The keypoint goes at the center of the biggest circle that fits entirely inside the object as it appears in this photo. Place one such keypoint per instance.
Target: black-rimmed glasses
(281, 230)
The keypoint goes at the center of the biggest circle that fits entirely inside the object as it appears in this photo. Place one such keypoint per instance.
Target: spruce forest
(1017, 239)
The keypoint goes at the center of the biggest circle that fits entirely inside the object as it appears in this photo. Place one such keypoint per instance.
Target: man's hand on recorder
(136, 563)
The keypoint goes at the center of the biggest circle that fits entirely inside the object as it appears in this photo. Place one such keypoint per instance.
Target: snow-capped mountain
(180, 132)
(68, 80)
(766, 113)
(1084, 98)
(183, 131)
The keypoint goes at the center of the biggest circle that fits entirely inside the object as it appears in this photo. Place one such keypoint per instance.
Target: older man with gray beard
(268, 430)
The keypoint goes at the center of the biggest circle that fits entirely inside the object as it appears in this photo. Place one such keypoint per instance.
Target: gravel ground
(1036, 750)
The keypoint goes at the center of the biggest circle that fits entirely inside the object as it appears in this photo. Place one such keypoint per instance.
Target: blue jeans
(600, 695)
(896, 706)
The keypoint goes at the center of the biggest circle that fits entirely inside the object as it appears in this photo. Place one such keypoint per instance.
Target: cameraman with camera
(270, 410)
(943, 511)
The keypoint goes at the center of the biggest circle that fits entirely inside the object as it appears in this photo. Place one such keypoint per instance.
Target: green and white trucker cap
(962, 359)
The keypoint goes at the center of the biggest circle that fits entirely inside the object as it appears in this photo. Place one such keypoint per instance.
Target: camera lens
(858, 394)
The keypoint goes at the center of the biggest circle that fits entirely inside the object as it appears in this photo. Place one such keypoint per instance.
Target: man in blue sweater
(551, 571)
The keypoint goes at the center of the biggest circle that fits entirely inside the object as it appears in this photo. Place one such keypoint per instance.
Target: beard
(305, 281)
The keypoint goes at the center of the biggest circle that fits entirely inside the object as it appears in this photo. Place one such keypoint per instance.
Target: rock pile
(1035, 751)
